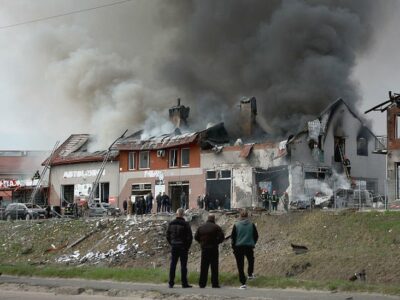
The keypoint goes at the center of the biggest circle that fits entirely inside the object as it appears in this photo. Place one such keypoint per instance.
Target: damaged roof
(328, 112)
(74, 150)
(206, 138)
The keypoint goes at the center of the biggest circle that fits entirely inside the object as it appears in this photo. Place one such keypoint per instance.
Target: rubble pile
(304, 245)
(120, 240)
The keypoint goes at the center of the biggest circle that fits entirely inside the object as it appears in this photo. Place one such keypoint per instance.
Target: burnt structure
(232, 171)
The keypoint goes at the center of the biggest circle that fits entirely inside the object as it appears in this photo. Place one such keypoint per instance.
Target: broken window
(340, 149)
(144, 160)
(173, 158)
(314, 175)
(362, 146)
(185, 160)
(131, 161)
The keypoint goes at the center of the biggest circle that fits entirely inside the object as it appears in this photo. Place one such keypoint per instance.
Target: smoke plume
(120, 68)
(296, 57)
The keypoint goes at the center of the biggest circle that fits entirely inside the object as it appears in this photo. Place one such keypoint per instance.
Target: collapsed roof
(207, 139)
(74, 150)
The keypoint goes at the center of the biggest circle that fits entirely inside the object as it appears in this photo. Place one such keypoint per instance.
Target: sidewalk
(151, 291)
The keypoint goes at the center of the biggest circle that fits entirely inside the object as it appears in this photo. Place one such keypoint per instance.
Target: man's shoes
(186, 286)
(251, 277)
(243, 287)
(170, 286)
(216, 286)
(202, 286)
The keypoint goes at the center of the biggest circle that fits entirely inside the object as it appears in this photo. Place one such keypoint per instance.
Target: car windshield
(29, 205)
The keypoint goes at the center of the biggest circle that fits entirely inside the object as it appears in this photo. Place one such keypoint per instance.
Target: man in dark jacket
(149, 203)
(158, 200)
(165, 202)
(209, 235)
(183, 201)
(179, 236)
(244, 237)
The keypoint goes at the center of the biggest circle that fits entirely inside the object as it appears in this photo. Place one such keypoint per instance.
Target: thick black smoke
(296, 57)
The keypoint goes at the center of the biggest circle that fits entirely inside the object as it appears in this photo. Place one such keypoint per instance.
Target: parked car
(103, 209)
(15, 211)
(3, 205)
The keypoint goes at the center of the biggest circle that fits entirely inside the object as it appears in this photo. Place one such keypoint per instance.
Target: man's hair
(244, 213)
(179, 212)
(211, 218)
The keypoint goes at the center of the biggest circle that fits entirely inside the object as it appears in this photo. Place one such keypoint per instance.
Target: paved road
(83, 289)
(18, 295)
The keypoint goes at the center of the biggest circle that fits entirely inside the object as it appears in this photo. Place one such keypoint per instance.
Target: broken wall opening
(219, 186)
(272, 179)
(175, 189)
(67, 194)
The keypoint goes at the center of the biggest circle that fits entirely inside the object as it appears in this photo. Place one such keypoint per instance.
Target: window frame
(397, 127)
(176, 157)
(131, 155)
(188, 162)
(148, 160)
(362, 151)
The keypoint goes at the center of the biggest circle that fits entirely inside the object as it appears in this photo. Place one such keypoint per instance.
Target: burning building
(311, 161)
(74, 169)
(168, 163)
(336, 150)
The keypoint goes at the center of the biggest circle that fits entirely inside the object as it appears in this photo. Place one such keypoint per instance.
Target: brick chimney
(248, 112)
(179, 114)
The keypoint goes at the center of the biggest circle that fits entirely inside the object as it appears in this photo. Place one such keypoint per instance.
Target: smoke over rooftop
(84, 74)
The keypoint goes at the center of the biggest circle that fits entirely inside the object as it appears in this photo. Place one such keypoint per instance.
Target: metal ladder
(96, 182)
(351, 179)
(46, 167)
(95, 185)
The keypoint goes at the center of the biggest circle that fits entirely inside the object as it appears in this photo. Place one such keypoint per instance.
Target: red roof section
(74, 150)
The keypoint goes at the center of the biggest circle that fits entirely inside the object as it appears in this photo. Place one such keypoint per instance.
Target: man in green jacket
(244, 238)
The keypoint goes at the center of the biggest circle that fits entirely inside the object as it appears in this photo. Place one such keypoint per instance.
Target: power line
(64, 14)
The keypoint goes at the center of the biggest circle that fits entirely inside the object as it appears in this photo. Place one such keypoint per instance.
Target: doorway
(175, 190)
(67, 194)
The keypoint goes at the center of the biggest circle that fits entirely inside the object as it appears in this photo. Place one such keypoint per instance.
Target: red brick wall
(161, 163)
(393, 143)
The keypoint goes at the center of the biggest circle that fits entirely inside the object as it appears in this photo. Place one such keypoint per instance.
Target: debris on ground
(298, 249)
(140, 242)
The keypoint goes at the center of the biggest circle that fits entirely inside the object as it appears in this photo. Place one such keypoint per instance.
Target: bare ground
(339, 244)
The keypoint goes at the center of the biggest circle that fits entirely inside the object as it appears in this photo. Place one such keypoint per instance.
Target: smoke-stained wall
(344, 124)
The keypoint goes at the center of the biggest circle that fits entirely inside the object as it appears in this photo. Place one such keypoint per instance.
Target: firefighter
(274, 201)
(347, 164)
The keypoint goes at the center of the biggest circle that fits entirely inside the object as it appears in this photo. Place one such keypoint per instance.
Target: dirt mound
(338, 244)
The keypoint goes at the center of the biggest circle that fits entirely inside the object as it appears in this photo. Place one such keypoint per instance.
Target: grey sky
(99, 71)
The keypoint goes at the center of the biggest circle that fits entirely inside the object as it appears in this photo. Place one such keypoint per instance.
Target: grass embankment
(160, 276)
(339, 244)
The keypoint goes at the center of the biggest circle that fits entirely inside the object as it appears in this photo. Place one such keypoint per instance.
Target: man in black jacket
(179, 236)
(209, 235)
